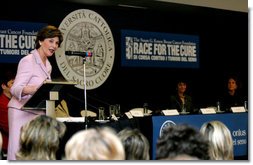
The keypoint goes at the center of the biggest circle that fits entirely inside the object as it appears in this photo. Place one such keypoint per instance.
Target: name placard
(207, 110)
(238, 109)
(170, 112)
(137, 113)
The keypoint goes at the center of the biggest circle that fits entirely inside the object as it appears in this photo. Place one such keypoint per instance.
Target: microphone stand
(85, 97)
(84, 55)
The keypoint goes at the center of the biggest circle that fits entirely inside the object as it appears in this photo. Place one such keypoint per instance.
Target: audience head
(136, 145)
(40, 138)
(220, 138)
(95, 144)
(182, 142)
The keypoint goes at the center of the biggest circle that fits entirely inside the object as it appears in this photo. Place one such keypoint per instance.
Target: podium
(46, 95)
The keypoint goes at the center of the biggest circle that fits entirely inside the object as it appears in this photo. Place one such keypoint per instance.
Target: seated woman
(180, 100)
(233, 96)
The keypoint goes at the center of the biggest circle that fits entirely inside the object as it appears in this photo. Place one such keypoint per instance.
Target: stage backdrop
(219, 51)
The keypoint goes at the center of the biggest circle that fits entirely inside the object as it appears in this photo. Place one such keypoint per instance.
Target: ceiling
(233, 5)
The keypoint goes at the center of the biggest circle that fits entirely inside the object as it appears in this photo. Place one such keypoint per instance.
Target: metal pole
(85, 97)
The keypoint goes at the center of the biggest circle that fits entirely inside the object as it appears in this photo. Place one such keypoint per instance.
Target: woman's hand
(29, 90)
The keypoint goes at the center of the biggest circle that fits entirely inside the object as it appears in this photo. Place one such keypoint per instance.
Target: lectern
(46, 95)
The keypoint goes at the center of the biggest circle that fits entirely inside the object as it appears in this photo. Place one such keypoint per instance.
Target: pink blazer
(31, 71)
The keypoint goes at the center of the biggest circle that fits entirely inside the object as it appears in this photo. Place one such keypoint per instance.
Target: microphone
(76, 53)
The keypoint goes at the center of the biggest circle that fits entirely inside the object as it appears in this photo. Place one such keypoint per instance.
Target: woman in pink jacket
(33, 70)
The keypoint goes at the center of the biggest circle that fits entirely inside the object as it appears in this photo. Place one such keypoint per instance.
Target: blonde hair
(220, 139)
(95, 144)
(40, 138)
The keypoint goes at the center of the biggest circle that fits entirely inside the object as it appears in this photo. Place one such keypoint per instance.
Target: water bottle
(112, 110)
(145, 108)
(183, 110)
(246, 105)
(101, 113)
(218, 106)
(117, 110)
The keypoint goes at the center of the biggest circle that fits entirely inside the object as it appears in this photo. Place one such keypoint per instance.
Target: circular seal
(167, 123)
(85, 32)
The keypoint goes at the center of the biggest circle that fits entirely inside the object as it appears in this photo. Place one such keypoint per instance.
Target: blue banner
(237, 123)
(153, 49)
(17, 39)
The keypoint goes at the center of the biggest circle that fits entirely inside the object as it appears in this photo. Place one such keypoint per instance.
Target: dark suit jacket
(176, 103)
